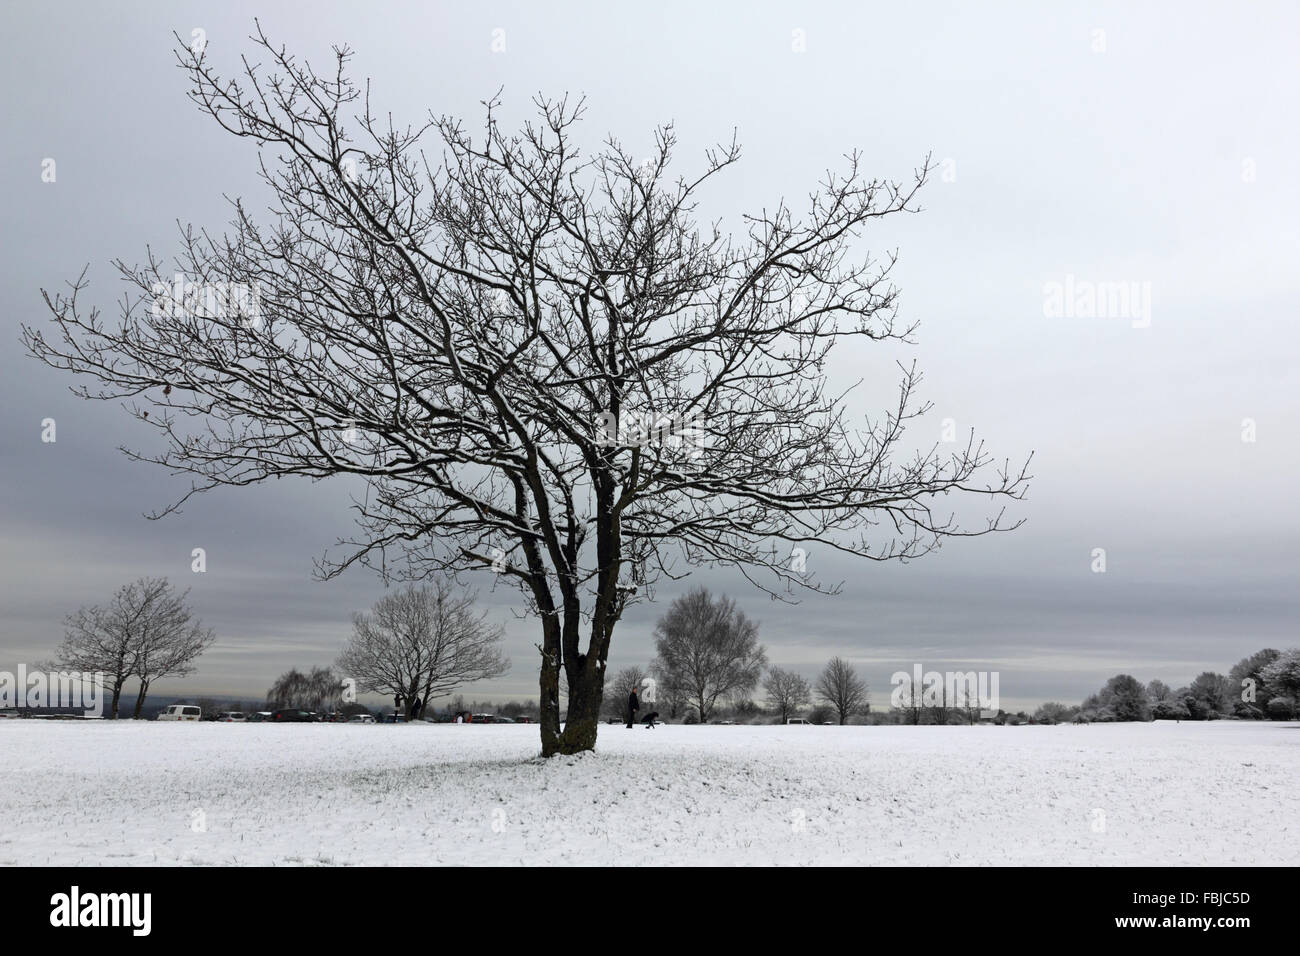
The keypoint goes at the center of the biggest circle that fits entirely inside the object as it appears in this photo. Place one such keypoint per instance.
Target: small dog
(650, 718)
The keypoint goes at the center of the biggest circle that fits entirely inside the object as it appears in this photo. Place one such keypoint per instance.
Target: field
(318, 794)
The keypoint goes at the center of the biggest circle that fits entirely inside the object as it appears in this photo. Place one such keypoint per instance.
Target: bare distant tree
(787, 692)
(422, 642)
(669, 692)
(211, 707)
(144, 631)
(621, 687)
(96, 641)
(840, 686)
(170, 641)
(914, 705)
(709, 649)
(536, 358)
(319, 690)
(1157, 690)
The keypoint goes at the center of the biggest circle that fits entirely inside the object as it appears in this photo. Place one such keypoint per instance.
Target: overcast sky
(1153, 144)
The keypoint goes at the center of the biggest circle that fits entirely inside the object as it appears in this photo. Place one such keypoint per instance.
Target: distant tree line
(1263, 686)
(709, 663)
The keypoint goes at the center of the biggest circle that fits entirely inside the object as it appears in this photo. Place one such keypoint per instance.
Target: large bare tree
(96, 642)
(145, 631)
(787, 692)
(534, 357)
(422, 642)
(709, 649)
(170, 640)
(840, 686)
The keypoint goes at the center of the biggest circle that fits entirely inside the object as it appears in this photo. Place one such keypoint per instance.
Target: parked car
(525, 720)
(259, 716)
(232, 717)
(799, 720)
(486, 719)
(361, 719)
(182, 712)
(292, 715)
(394, 719)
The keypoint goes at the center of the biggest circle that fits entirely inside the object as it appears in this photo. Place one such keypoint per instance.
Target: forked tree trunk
(582, 721)
(139, 700)
(583, 716)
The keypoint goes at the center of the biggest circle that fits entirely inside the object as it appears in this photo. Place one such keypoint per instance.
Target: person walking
(633, 705)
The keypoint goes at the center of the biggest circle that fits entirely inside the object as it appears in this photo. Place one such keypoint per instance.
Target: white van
(800, 721)
(181, 712)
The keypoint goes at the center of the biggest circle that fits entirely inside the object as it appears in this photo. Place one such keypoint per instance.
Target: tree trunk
(583, 718)
(139, 700)
(549, 684)
(117, 694)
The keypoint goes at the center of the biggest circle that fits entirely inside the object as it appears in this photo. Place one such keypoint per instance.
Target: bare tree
(621, 687)
(97, 642)
(709, 649)
(668, 690)
(422, 642)
(941, 709)
(912, 710)
(533, 357)
(170, 640)
(787, 692)
(840, 686)
(1157, 690)
(144, 631)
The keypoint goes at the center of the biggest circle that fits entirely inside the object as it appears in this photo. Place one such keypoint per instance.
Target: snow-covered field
(160, 793)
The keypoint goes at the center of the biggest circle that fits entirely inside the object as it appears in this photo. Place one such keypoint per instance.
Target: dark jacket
(633, 705)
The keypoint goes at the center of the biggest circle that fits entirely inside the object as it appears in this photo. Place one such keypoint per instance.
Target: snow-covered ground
(162, 793)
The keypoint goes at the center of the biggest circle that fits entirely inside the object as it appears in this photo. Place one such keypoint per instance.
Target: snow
(125, 792)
